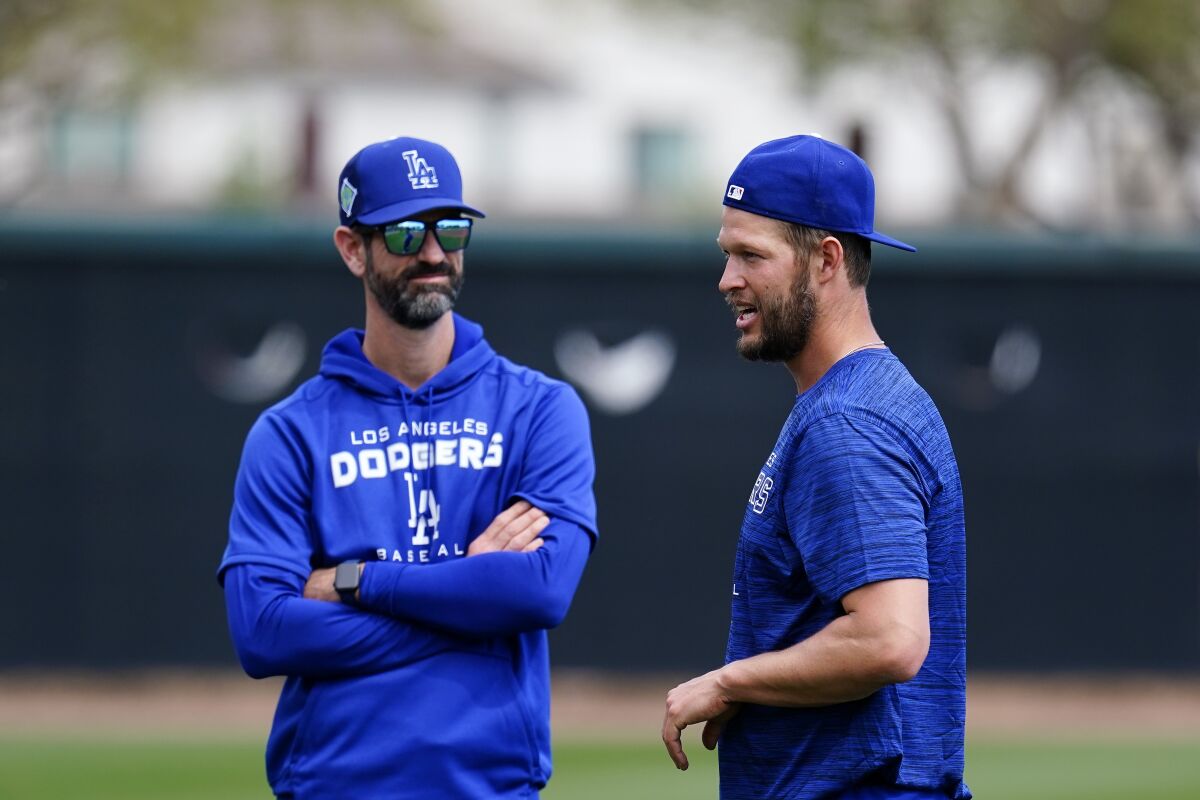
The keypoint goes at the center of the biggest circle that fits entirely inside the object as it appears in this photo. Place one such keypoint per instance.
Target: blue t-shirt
(861, 486)
(437, 684)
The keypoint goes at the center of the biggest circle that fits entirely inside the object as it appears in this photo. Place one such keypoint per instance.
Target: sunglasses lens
(453, 234)
(404, 238)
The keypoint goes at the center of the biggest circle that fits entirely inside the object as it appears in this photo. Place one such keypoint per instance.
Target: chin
(749, 347)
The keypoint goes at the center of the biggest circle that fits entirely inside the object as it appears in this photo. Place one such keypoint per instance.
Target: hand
(699, 700)
(514, 530)
(320, 585)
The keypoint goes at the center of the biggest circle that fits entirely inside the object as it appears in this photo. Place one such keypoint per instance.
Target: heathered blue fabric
(438, 685)
(861, 486)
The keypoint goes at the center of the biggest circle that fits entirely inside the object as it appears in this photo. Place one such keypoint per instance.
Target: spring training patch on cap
(735, 192)
(348, 194)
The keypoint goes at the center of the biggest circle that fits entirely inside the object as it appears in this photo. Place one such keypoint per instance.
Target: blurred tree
(59, 56)
(63, 56)
(1087, 52)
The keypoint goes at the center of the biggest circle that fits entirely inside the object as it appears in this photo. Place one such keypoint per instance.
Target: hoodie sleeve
(503, 593)
(493, 594)
(558, 470)
(276, 631)
(272, 501)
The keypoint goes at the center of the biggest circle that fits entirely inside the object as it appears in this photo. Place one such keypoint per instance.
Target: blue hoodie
(437, 684)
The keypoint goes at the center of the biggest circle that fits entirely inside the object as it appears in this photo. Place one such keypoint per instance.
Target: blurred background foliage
(1121, 76)
(59, 57)
(1093, 59)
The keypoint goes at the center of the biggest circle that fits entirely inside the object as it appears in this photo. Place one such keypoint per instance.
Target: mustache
(429, 270)
(732, 300)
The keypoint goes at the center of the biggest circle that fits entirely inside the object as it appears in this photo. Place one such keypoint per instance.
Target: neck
(410, 356)
(836, 333)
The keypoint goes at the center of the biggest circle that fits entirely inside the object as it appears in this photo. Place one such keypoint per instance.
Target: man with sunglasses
(409, 523)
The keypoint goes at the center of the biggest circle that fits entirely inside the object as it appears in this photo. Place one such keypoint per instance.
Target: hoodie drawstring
(415, 511)
(432, 464)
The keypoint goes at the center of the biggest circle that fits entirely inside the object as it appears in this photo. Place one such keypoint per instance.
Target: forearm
(277, 632)
(486, 595)
(851, 658)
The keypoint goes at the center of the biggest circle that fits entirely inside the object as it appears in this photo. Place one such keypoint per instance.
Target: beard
(786, 323)
(414, 306)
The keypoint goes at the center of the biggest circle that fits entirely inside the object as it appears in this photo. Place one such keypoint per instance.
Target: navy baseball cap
(398, 179)
(809, 181)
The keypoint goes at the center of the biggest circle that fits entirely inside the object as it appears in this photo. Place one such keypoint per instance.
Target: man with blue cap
(845, 670)
(409, 523)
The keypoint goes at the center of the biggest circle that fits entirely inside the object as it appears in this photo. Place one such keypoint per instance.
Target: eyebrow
(747, 243)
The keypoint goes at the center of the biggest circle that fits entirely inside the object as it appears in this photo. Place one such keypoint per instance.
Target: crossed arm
(514, 530)
(520, 574)
(526, 582)
(882, 638)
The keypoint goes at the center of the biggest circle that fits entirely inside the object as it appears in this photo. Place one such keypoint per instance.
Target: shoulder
(535, 385)
(874, 382)
(314, 394)
(289, 419)
(877, 391)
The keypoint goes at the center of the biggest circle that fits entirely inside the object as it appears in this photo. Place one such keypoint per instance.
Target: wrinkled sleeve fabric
(271, 518)
(855, 507)
(559, 469)
(275, 630)
(505, 593)
(492, 594)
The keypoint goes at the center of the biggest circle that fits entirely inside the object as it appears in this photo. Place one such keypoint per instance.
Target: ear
(828, 260)
(352, 249)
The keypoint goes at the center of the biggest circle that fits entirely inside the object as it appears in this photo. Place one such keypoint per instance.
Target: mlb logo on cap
(399, 179)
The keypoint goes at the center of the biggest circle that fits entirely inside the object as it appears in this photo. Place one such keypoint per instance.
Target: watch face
(345, 579)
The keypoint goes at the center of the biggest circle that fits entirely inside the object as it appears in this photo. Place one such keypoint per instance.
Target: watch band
(346, 578)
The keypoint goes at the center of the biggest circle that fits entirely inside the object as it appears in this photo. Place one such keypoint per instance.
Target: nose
(732, 278)
(431, 251)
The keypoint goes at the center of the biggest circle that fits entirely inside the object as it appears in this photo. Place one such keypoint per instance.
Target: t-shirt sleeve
(270, 522)
(559, 469)
(855, 507)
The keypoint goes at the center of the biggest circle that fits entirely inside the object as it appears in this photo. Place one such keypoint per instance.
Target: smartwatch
(345, 581)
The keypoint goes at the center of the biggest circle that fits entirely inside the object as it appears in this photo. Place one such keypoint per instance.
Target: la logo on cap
(735, 192)
(420, 174)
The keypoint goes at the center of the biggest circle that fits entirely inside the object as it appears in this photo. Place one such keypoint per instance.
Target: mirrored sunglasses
(406, 237)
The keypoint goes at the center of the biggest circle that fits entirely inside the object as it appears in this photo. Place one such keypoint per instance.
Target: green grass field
(181, 769)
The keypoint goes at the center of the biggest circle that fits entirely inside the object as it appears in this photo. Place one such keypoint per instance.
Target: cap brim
(410, 208)
(875, 236)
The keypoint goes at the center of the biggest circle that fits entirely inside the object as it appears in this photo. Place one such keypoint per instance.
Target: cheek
(783, 281)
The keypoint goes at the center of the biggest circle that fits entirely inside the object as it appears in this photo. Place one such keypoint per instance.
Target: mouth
(430, 276)
(745, 315)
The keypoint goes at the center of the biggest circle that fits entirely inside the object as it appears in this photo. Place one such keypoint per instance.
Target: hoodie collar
(343, 359)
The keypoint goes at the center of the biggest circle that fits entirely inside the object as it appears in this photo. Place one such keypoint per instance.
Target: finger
(673, 740)
(492, 537)
(506, 516)
(526, 518)
(712, 732)
(519, 526)
(534, 545)
(519, 541)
